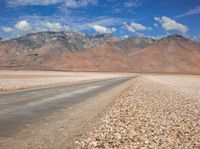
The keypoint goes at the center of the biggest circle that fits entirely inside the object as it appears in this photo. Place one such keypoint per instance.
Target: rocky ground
(23, 125)
(18, 80)
(158, 111)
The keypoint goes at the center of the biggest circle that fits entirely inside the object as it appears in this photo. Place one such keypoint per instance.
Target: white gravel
(159, 111)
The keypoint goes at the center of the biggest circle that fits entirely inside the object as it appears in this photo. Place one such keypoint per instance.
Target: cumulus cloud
(23, 25)
(7, 29)
(51, 26)
(170, 24)
(134, 27)
(68, 3)
(190, 12)
(41, 24)
(102, 29)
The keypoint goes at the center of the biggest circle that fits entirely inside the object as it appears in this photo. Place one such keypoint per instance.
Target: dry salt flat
(157, 111)
(18, 80)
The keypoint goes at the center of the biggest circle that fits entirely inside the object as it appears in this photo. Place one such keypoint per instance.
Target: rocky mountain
(71, 41)
(173, 54)
(174, 39)
(78, 52)
(132, 43)
(34, 49)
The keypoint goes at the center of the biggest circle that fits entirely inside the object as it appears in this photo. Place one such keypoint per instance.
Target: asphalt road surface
(27, 107)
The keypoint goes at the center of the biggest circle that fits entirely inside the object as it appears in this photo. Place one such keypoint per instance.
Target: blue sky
(122, 18)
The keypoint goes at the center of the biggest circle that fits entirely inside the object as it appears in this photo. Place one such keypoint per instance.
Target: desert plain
(99, 110)
(100, 74)
(157, 111)
(19, 80)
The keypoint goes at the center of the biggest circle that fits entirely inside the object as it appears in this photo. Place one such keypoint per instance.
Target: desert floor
(20, 80)
(157, 111)
(118, 111)
(56, 116)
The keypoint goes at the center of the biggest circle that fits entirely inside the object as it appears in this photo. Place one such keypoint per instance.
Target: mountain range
(74, 51)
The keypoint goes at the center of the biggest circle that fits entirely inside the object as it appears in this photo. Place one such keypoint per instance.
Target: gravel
(158, 111)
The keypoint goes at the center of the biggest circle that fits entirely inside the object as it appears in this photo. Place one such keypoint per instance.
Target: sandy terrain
(18, 80)
(158, 111)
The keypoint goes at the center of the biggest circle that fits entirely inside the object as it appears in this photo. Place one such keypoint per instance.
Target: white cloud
(57, 23)
(23, 25)
(170, 24)
(195, 38)
(125, 36)
(133, 3)
(134, 27)
(155, 24)
(190, 12)
(7, 29)
(108, 21)
(68, 3)
(54, 26)
(79, 3)
(102, 29)
(156, 18)
(102, 21)
(157, 37)
(14, 3)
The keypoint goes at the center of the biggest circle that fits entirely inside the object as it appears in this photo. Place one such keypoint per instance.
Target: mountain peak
(176, 38)
(135, 43)
(66, 40)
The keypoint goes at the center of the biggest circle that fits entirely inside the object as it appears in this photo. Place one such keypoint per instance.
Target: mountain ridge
(80, 52)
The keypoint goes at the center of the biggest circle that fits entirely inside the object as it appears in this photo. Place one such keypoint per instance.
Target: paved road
(26, 107)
